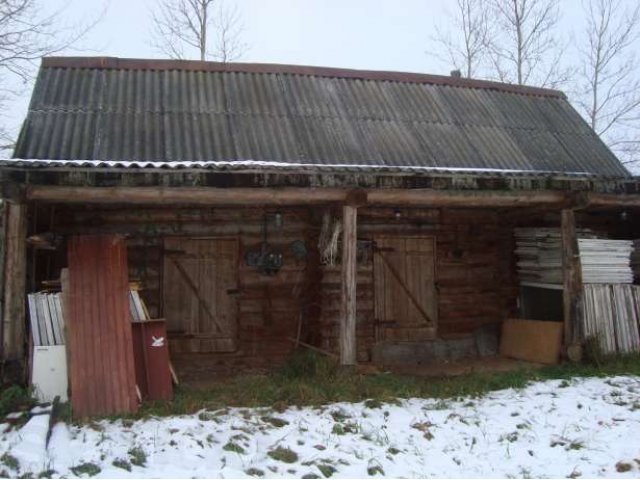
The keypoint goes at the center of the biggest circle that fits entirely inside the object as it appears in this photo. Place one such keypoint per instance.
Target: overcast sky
(365, 34)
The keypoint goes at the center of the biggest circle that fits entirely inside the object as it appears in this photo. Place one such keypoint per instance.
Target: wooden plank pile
(46, 316)
(612, 315)
(539, 252)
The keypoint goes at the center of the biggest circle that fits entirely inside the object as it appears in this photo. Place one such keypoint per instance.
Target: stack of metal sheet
(606, 261)
(612, 315)
(539, 252)
(47, 321)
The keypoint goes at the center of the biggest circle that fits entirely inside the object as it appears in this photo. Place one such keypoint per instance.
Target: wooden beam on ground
(294, 196)
(572, 278)
(14, 282)
(349, 280)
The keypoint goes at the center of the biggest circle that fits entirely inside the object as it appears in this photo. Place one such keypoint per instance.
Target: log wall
(474, 272)
(475, 276)
(269, 307)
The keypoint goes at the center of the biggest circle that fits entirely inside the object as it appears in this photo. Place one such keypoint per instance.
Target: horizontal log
(186, 195)
(289, 196)
(464, 198)
(610, 200)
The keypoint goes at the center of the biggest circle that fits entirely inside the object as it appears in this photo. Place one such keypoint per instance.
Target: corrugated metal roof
(119, 111)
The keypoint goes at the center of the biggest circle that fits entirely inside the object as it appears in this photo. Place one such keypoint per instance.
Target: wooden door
(406, 305)
(200, 282)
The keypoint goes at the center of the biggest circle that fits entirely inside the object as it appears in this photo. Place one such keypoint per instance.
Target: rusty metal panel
(100, 347)
(151, 355)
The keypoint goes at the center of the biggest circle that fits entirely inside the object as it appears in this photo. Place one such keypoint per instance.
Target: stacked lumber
(47, 322)
(539, 252)
(606, 261)
(612, 315)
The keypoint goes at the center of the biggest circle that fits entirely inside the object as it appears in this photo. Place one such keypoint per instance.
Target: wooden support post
(572, 279)
(349, 280)
(14, 283)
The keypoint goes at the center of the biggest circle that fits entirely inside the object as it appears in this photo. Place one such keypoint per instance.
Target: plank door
(199, 286)
(406, 305)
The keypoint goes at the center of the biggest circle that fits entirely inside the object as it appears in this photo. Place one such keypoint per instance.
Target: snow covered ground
(583, 427)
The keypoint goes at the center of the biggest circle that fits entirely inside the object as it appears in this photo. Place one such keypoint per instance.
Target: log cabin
(366, 214)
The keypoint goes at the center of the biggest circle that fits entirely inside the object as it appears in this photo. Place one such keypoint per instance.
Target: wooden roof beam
(293, 196)
(309, 196)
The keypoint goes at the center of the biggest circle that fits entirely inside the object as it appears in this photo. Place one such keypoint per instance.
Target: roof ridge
(116, 63)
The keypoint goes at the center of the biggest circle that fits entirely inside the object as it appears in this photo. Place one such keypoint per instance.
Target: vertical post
(14, 283)
(572, 278)
(349, 279)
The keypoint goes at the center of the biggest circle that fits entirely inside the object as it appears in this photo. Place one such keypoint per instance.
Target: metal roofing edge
(116, 63)
(266, 167)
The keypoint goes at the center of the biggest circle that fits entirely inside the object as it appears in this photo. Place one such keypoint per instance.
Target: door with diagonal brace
(199, 287)
(406, 306)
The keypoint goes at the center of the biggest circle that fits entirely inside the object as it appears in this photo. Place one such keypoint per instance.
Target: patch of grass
(233, 447)
(327, 470)
(10, 461)
(622, 467)
(393, 450)
(96, 427)
(344, 428)
(307, 364)
(575, 445)
(137, 457)
(339, 415)
(275, 421)
(254, 472)
(15, 398)
(373, 403)
(88, 468)
(315, 381)
(122, 463)
(509, 437)
(127, 423)
(310, 475)
(283, 454)
(49, 473)
(375, 470)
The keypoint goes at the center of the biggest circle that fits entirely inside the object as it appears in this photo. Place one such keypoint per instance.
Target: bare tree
(467, 47)
(29, 31)
(526, 48)
(27, 34)
(208, 27)
(609, 74)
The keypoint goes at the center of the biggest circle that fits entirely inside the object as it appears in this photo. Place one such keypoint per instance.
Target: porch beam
(611, 200)
(349, 280)
(293, 195)
(14, 282)
(465, 198)
(572, 278)
(185, 195)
